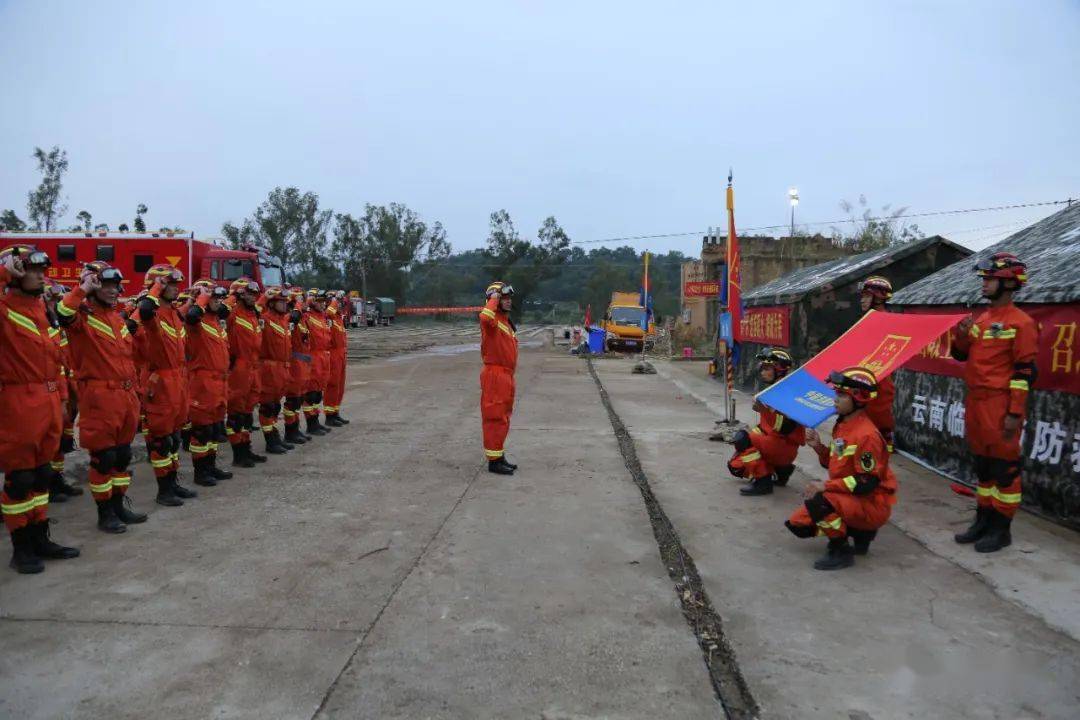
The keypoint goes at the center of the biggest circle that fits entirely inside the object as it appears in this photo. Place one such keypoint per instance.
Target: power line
(852, 220)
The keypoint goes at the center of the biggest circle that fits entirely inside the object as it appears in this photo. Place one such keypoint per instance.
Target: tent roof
(797, 284)
(1050, 248)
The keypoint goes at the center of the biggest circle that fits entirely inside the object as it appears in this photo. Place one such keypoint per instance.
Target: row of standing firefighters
(187, 368)
(998, 348)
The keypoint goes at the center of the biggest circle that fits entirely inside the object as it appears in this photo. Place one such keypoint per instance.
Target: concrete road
(381, 573)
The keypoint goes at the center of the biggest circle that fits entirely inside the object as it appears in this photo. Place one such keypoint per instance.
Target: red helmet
(1003, 265)
(877, 286)
(859, 383)
(162, 270)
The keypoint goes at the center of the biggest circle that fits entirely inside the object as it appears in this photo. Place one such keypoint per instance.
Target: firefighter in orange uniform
(339, 345)
(858, 496)
(999, 348)
(274, 360)
(105, 376)
(299, 369)
(874, 292)
(166, 392)
(498, 349)
(319, 348)
(31, 407)
(208, 379)
(766, 454)
(245, 345)
(59, 489)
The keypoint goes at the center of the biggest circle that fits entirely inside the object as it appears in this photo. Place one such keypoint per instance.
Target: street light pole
(793, 198)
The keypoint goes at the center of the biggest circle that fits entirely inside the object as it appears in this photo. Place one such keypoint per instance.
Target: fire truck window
(215, 270)
(143, 262)
(235, 269)
(65, 252)
(106, 253)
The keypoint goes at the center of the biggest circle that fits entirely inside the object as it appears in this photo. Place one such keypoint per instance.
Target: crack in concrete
(727, 680)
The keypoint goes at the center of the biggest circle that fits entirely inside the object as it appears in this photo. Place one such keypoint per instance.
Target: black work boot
(294, 436)
(274, 446)
(977, 529)
(838, 556)
(251, 454)
(179, 490)
(862, 539)
(998, 536)
(509, 464)
(44, 547)
(166, 495)
(23, 558)
(240, 457)
(314, 427)
(334, 421)
(216, 472)
(121, 505)
(759, 486)
(202, 474)
(107, 520)
(783, 474)
(500, 467)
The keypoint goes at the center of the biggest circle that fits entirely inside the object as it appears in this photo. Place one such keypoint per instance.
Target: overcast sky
(619, 118)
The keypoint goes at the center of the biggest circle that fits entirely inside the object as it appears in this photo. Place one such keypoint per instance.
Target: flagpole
(733, 297)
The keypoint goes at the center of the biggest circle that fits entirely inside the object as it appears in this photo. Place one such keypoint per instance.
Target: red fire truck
(134, 253)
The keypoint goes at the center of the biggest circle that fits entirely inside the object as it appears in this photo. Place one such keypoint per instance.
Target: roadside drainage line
(727, 680)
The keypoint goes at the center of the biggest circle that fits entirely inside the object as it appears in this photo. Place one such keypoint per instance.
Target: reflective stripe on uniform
(750, 456)
(17, 508)
(210, 329)
(121, 480)
(64, 310)
(487, 312)
(834, 524)
(164, 462)
(102, 486)
(169, 330)
(277, 328)
(23, 321)
(101, 327)
(1019, 385)
(850, 482)
(779, 422)
(198, 448)
(494, 454)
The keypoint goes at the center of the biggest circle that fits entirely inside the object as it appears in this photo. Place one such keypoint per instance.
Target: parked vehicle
(625, 324)
(380, 311)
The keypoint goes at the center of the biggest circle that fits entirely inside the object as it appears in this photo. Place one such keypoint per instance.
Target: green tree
(140, 224)
(866, 231)
(524, 264)
(44, 206)
(85, 218)
(11, 222)
(290, 226)
(102, 227)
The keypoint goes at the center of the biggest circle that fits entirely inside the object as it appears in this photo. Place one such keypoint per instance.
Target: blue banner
(724, 327)
(802, 397)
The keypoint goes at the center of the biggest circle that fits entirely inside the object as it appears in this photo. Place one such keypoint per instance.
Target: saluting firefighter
(499, 350)
(858, 496)
(319, 349)
(31, 407)
(766, 454)
(208, 379)
(299, 369)
(245, 345)
(274, 361)
(105, 376)
(874, 293)
(59, 489)
(166, 386)
(339, 345)
(999, 348)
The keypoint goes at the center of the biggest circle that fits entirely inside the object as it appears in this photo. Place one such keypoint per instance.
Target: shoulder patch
(867, 462)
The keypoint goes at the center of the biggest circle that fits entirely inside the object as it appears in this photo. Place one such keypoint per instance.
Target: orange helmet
(244, 284)
(162, 270)
(877, 286)
(499, 287)
(780, 360)
(274, 292)
(30, 254)
(1003, 265)
(859, 383)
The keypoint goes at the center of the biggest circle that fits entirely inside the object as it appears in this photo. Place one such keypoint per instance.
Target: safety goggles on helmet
(37, 258)
(110, 274)
(219, 292)
(861, 384)
(1003, 265)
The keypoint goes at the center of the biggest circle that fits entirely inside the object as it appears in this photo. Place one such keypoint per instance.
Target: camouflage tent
(809, 308)
(930, 393)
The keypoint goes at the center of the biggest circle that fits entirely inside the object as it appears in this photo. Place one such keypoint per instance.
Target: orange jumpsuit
(208, 377)
(499, 351)
(999, 351)
(773, 444)
(31, 416)
(861, 488)
(70, 398)
(245, 345)
(299, 371)
(274, 364)
(335, 387)
(166, 387)
(319, 348)
(880, 410)
(105, 378)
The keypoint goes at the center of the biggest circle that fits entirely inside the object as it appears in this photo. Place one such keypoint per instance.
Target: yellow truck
(623, 323)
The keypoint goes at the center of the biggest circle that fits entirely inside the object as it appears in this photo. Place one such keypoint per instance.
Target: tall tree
(11, 222)
(44, 205)
(290, 226)
(140, 224)
(85, 218)
(522, 263)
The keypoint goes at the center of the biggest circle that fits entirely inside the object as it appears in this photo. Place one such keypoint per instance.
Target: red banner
(1058, 360)
(438, 310)
(708, 288)
(767, 325)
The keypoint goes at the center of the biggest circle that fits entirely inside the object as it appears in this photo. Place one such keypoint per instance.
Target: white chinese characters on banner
(943, 415)
(937, 413)
(918, 410)
(955, 422)
(1049, 442)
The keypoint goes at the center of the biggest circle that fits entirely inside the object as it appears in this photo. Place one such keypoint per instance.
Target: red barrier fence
(438, 310)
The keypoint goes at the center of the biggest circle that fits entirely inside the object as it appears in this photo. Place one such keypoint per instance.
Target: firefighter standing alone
(998, 348)
(498, 349)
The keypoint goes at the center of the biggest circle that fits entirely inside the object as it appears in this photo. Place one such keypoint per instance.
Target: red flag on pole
(734, 277)
(588, 316)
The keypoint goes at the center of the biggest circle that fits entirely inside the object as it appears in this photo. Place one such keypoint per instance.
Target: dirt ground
(381, 572)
